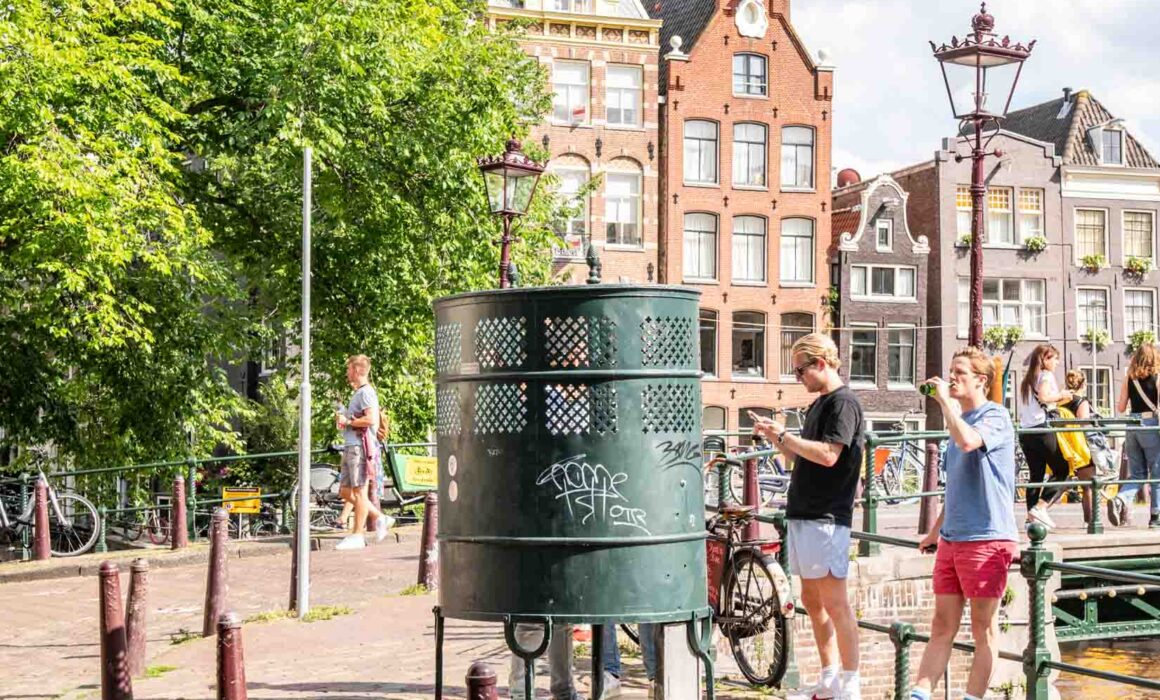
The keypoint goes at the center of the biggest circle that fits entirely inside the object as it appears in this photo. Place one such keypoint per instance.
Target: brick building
(601, 59)
(881, 269)
(745, 157)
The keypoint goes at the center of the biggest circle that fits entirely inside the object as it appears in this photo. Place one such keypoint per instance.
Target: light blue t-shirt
(363, 400)
(980, 497)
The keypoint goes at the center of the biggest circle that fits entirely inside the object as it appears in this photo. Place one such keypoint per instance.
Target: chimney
(1066, 94)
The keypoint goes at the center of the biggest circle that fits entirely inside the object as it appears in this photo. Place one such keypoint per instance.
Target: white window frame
(711, 317)
(724, 414)
(1081, 330)
(960, 210)
(1128, 330)
(869, 295)
(1103, 156)
(762, 347)
(786, 373)
(1020, 235)
(716, 262)
(578, 6)
(886, 225)
(569, 105)
(572, 200)
(632, 199)
(1124, 234)
(764, 85)
(795, 187)
(795, 282)
(877, 332)
(716, 153)
(761, 246)
(1075, 232)
(749, 146)
(637, 93)
(1093, 388)
(1009, 213)
(962, 300)
(890, 384)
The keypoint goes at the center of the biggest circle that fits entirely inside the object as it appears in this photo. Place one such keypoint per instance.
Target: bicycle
(902, 474)
(72, 519)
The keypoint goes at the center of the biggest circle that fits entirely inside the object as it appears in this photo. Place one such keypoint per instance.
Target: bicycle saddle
(735, 511)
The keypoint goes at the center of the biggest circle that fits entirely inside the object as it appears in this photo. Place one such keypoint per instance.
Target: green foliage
(1094, 262)
(158, 671)
(414, 589)
(1139, 338)
(183, 636)
(1002, 337)
(964, 241)
(1138, 266)
(321, 613)
(1098, 337)
(1035, 244)
(150, 207)
(271, 427)
(269, 616)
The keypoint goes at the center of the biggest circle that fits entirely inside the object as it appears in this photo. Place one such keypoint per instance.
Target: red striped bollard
(115, 681)
(216, 584)
(135, 616)
(481, 684)
(429, 548)
(231, 665)
(178, 527)
(41, 547)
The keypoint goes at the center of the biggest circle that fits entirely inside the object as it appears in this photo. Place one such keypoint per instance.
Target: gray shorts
(818, 548)
(354, 467)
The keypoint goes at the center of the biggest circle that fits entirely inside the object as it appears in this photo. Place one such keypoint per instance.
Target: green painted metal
(569, 454)
(25, 533)
(102, 530)
(868, 548)
(191, 498)
(901, 634)
(1034, 565)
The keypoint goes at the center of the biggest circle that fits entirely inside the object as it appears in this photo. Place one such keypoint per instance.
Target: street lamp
(511, 180)
(984, 58)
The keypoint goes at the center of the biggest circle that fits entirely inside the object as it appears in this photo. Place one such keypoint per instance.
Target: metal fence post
(870, 504)
(1095, 524)
(929, 483)
(25, 540)
(724, 498)
(102, 530)
(191, 500)
(1033, 566)
(902, 634)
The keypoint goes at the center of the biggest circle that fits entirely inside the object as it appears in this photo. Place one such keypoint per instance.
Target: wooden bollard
(216, 584)
(135, 616)
(178, 527)
(429, 547)
(41, 547)
(481, 683)
(115, 681)
(231, 665)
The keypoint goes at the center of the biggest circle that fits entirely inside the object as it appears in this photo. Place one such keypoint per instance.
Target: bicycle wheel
(77, 532)
(157, 527)
(757, 630)
(133, 530)
(633, 633)
(901, 478)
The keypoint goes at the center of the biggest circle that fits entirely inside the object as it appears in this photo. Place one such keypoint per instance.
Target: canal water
(1131, 657)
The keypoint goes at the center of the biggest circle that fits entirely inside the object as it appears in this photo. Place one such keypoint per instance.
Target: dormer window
(572, 5)
(1112, 142)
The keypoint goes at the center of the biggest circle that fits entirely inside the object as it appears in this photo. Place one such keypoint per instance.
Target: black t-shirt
(817, 492)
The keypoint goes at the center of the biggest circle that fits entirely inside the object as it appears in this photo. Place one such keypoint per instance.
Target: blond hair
(980, 363)
(1145, 362)
(361, 362)
(817, 346)
(1075, 380)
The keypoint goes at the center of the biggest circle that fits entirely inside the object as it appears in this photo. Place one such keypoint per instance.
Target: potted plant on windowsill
(1135, 340)
(1138, 266)
(1097, 337)
(1094, 262)
(1035, 244)
(964, 241)
(1002, 337)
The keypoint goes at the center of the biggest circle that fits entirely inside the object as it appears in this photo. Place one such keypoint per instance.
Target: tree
(150, 203)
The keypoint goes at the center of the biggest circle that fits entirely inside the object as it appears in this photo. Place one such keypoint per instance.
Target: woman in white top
(1039, 393)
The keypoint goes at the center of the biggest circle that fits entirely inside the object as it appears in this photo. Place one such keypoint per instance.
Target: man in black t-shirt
(827, 463)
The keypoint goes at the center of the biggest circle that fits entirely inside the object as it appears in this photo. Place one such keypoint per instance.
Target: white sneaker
(819, 691)
(383, 524)
(351, 542)
(1039, 513)
(652, 690)
(611, 686)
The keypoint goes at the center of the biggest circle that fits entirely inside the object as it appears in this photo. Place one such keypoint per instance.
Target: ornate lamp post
(984, 58)
(511, 180)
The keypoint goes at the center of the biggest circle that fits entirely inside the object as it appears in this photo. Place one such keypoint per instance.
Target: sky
(890, 105)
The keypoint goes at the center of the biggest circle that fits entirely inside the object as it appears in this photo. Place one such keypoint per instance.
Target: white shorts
(818, 548)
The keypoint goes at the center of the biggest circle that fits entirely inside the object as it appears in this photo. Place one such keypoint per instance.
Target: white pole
(303, 534)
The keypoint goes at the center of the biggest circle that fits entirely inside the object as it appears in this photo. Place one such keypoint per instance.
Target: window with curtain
(1138, 232)
(622, 208)
(999, 228)
(797, 157)
(749, 155)
(713, 419)
(900, 355)
(708, 335)
(1091, 233)
(797, 250)
(1006, 302)
(1099, 389)
(748, 344)
(570, 85)
(1091, 310)
(700, 246)
(701, 152)
(1139, 310)
(884, 235)
(963, 210)
(748, 249)
(623, 95)
(749, 74)
(1030, 213)
(794, 326)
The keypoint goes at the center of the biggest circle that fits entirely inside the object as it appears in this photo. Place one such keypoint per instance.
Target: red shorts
(972, 569)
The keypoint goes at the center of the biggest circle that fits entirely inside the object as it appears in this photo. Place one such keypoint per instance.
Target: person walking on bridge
(820, 508)
(975, 533)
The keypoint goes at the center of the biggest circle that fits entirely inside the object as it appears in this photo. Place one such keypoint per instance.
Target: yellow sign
(242, 499)
(420, 472)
